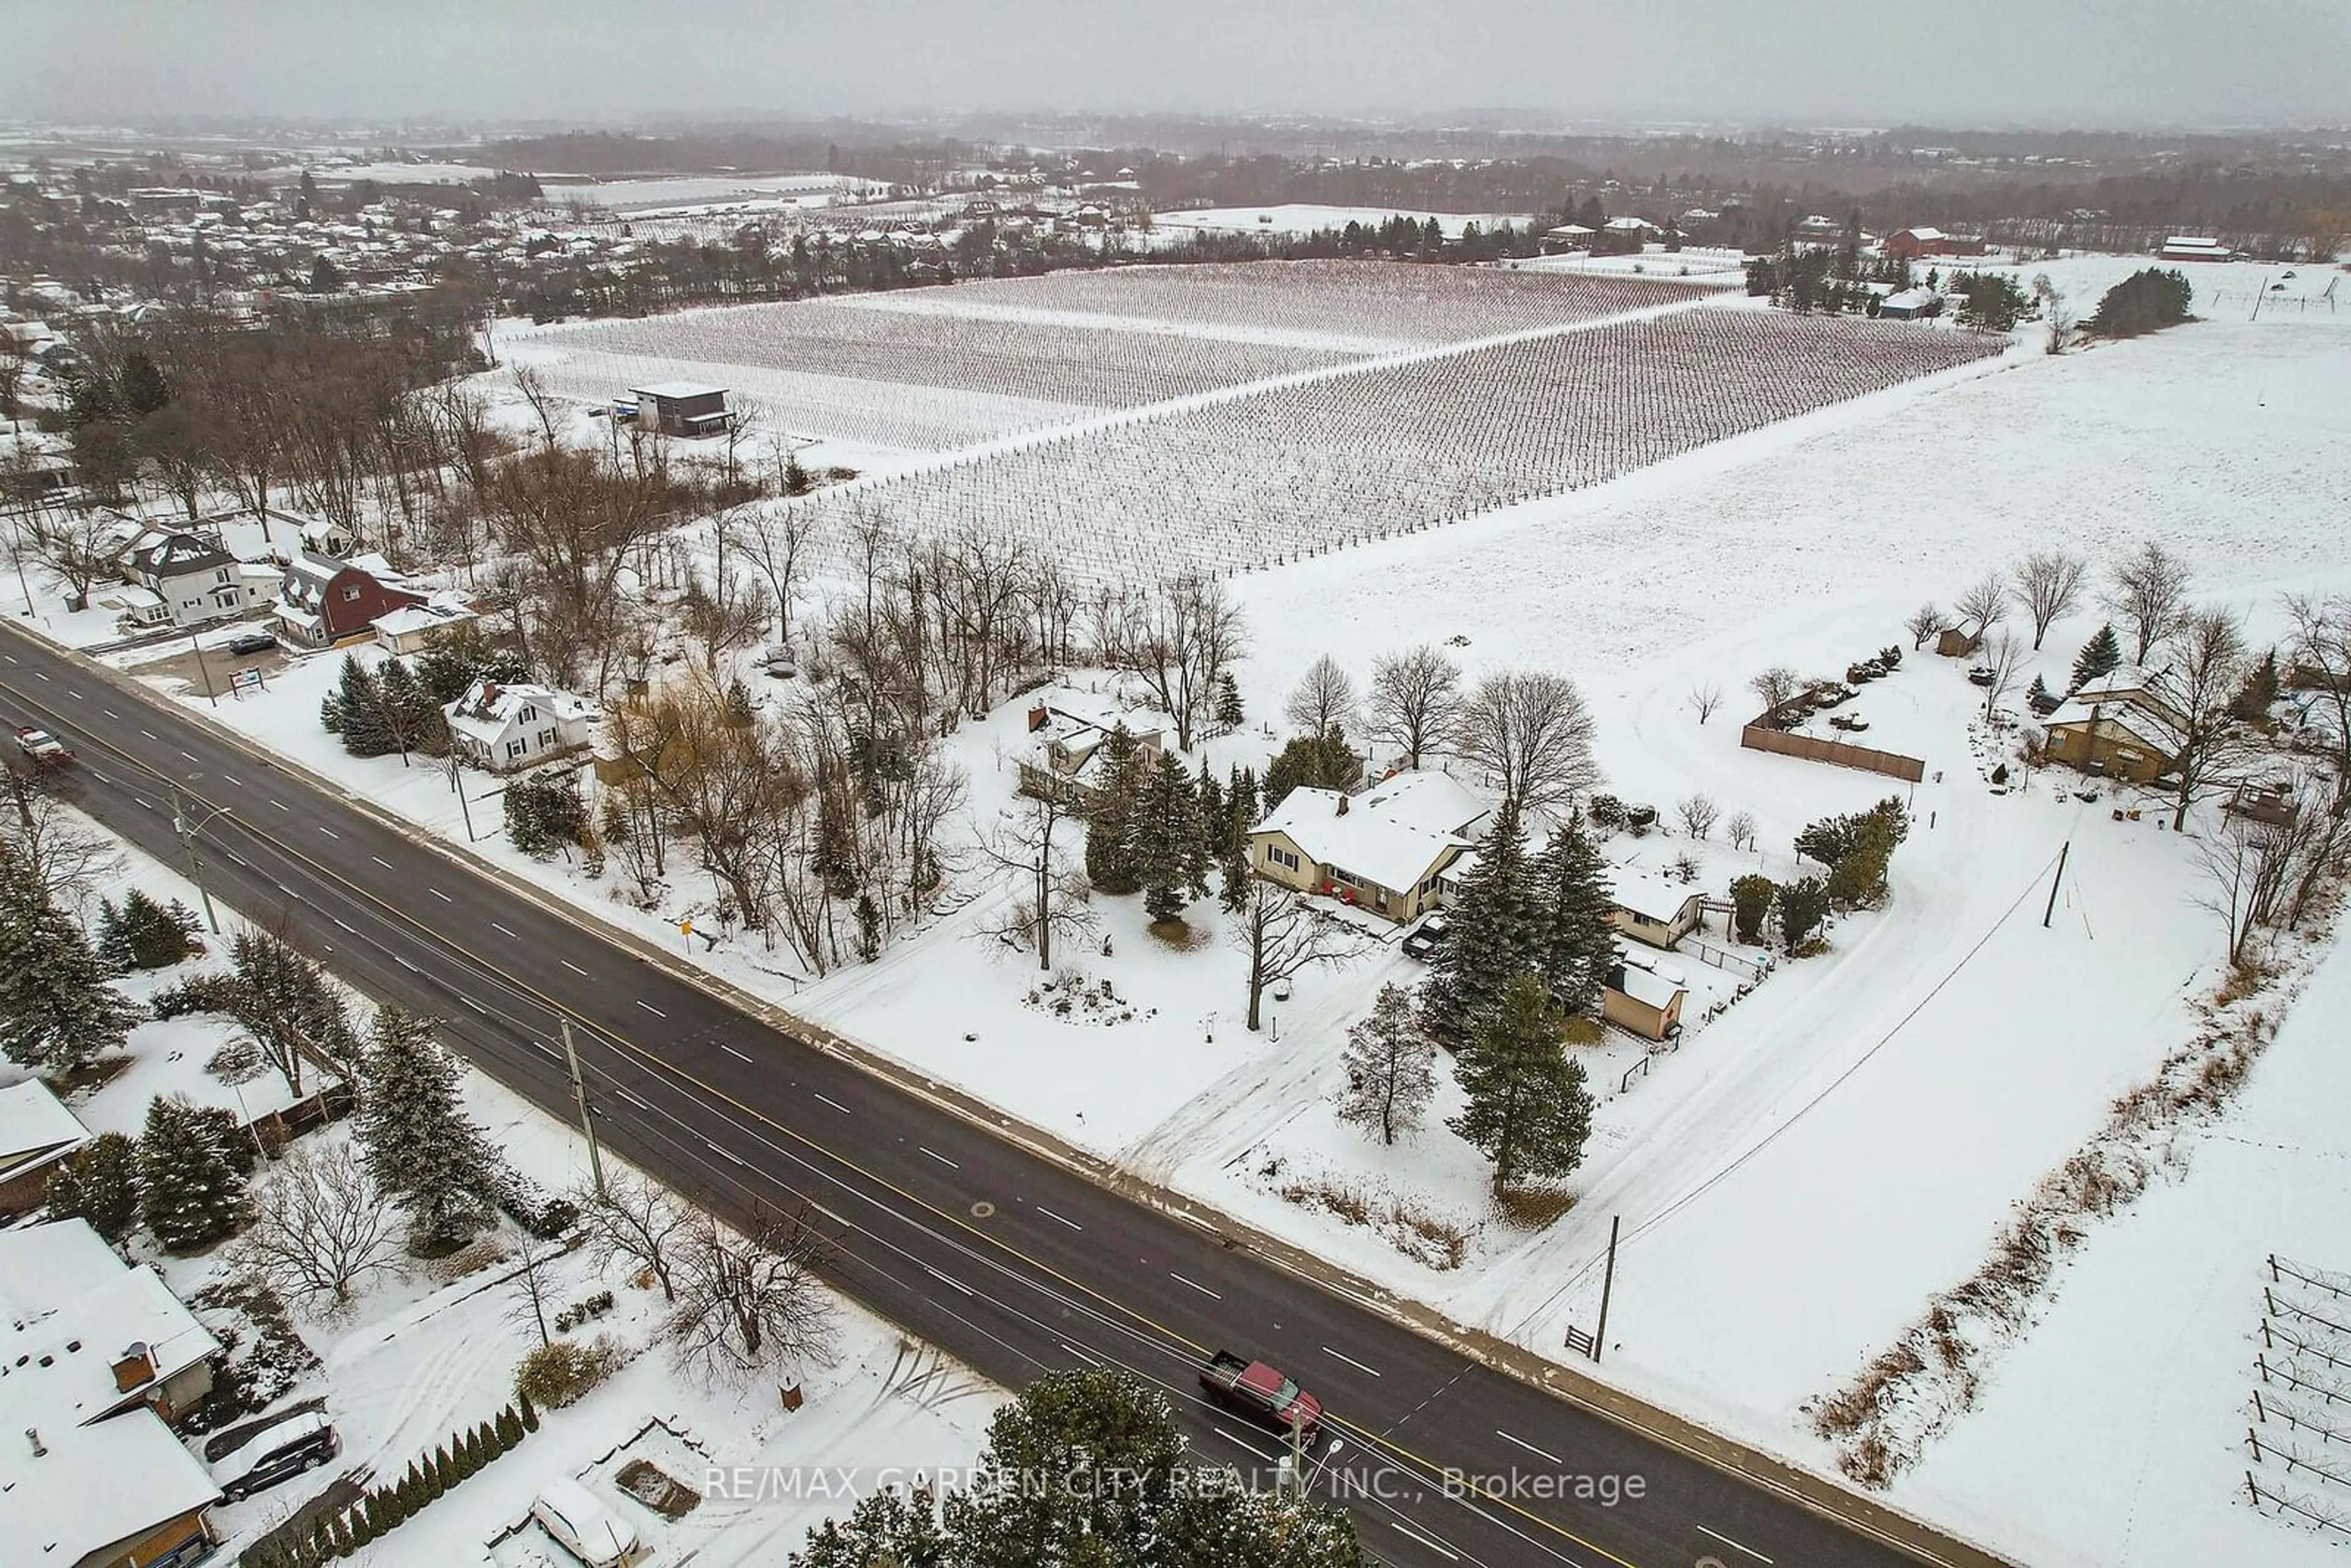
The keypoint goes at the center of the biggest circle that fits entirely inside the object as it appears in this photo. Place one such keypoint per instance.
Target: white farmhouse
(505, 727)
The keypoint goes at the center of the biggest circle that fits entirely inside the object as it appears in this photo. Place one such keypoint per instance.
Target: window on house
(546, 738)
(352, 593)
(528, 714)
(221, 575)
(516, 747)
(1276, 855)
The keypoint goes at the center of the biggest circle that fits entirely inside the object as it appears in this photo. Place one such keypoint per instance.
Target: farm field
(1239, 483)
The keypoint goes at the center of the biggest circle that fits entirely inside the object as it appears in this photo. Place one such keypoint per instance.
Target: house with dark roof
(197, 581)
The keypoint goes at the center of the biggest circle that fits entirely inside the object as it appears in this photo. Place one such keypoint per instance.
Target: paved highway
(1007, 1259)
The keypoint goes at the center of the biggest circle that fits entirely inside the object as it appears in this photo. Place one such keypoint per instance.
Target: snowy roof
(489, 708)
(1388, 835)
(1649, 895)
(2149, 726)
(33, 1121)
(411, 618)
(678, 390)
(1629, 225)
(1647, 988)
(1908, 299)
(96, 1487)
(42, 1267)
(1923, 233)
(65, 1328)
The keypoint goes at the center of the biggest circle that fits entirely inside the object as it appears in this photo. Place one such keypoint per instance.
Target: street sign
(243, 679)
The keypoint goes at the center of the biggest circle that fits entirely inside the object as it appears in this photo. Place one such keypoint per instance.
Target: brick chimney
(1038, 716)
(134, 1368)
(1342, 805)
(33, 1436)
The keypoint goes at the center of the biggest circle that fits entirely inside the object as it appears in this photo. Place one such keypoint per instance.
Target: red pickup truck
(1261, 1394)
(46, 749)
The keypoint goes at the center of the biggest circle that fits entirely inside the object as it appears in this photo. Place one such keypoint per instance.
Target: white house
(412, 628)
(197, 581)
(1387, 850)
(507, 727)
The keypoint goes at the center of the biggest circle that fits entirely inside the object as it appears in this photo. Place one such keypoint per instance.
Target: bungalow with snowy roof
(326, 599)
(2120, 724)
(412, 628)
(1910, 244)
(1066, 742)
(98, 1362)
(1650, 909)
(506, 727)
(37, 1132)
(1385, 850)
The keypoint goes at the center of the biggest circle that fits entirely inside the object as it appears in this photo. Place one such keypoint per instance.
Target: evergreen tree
(1804, 904)
(424, 1151)
(416, 719)
(1112, 1444)
(1750, 906)
(1216, 822)
(1229, 702)
(440, 1472)
(2036, 696)
(2099, 657)
(1569, 904)
(363, 1522)
(530, 1414)
(1391, 1069)
(545, 813)
(1233, 875)
(143, 934)
(1528, 1107)
(1170, 849)
(1121, 771)
(1241, 798)
(2260, 693)
(869, 928)
(1489, 938)
(509, 1428)
(459, 656)
(99, 1183)
(326, 278)
(190, 1191)
(57, 1010)
(1312, 761)
(355, 710)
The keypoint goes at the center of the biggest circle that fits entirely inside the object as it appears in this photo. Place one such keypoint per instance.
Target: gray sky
(1964, 62)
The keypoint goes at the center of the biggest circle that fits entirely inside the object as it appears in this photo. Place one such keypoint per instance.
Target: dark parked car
(1422, 942)
(251, 642)
(298, 1443)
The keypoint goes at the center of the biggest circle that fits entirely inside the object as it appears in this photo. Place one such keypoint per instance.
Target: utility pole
(586, 1123)
(1607, 1287)
(206, 670)
(195, 866)
(2062, 849)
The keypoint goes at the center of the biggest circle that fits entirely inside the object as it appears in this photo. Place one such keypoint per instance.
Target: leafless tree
(1741, 831)
(1530, 730)
(2322, 664)
(1280, 936)
(637, 1220)
(13, 364)
(1323, 699)
(2002, 656)
(1054, 903)
(2200, 682)
(1697, 814)
(1706, 698)
(1416, 701)
(749, 1306)
(2056, 318)
(574, 526)
(2318, 848)
(319, 1226)
(76, 543)
(2049, 585)
(2149, 597)
(1983, 605)
(61, 852)
(723, 623)
(1178, 638)
(534, 1283)
(1925, 622)
(2230, 860)
(1777, 686)
(539, 400)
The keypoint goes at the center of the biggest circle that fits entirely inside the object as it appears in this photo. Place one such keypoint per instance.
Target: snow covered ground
(1812, 1164)
(1294, 218)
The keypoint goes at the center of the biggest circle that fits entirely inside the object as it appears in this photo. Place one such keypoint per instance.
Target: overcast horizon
(2267, 63)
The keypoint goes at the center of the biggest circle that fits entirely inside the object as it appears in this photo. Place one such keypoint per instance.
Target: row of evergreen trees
(386, 1508)
(395, 704)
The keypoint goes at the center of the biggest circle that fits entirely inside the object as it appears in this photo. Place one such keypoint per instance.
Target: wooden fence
(1812, 749)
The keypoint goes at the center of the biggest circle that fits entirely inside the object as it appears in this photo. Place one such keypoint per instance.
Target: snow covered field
(1292, 218)
(1810, 1166)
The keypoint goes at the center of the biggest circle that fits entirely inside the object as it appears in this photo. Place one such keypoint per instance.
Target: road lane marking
(233, 782)
(473, 1004)
(282, 806)
(948, 1280)
(834, 1104)
(1051, 1215)
(496, 927)
(382, 862)
(572, 966)
(547, 1048)
(43, 674)
(733, 1052)
(329, 832)
(406, 965)
(340, 921)
(1734, 1545)
(632, 1100)
(1530, 1448)
(1351, 1361)
(941, 1158)
(151, 734)
(76, 695)
(441, 896)
(729, 1155)
(1194, 1284)
(192, 756)
(650, 1008)
(1087, 1356)
(1424, 1540)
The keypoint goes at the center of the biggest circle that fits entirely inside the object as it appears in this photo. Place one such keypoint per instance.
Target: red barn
(1910, 244)
(325, 600)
